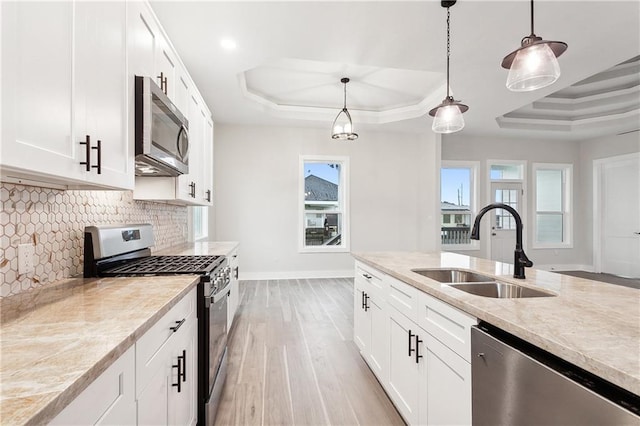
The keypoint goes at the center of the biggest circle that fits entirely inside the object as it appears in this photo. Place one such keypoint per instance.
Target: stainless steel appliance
(125, 251)
(516, 383)
(161, 132)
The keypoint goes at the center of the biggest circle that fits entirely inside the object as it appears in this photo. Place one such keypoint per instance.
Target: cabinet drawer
(149, 348)
(447, 324)
(373, 278)
(404, 298)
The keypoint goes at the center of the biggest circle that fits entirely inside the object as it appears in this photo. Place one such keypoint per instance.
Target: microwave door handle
(183, 155)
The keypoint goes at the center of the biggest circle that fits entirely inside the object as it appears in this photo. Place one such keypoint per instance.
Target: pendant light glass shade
(534, 65)
(447, 117)
(342, 127)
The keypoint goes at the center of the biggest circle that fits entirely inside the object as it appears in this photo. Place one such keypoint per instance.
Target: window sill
(540, 246)
(323, 250)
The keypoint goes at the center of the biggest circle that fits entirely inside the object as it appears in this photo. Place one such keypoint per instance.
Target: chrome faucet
(520, 259)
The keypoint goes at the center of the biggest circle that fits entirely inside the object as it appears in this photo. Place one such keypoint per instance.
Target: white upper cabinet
(100, 99)
(63, 74)
(150, 54)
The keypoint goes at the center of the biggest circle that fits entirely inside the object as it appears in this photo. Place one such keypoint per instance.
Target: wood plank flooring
(292, 359)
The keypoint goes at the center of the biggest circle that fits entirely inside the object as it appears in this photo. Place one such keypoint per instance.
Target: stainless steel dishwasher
(516, 383)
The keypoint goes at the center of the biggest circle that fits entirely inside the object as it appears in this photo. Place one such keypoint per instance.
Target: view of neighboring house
(320, 228)
(455, 223)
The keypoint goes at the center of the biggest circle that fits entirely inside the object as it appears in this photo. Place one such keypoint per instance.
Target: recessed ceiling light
(228, 44)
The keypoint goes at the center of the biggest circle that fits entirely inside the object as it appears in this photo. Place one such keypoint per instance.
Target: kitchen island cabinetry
(370, 323)
(428, 373)
(64, 97)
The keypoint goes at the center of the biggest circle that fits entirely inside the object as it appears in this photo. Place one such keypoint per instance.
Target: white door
(620, 224)
(378, 353)
(503, 225)
(361, 320)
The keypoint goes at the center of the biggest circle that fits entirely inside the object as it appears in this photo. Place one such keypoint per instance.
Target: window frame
(343, 203)
(192, 218)
(474, 168)
(567, 205)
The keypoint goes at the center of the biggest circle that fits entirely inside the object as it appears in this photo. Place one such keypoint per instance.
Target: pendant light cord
(448, 48)
(532, 33)
(345, 97)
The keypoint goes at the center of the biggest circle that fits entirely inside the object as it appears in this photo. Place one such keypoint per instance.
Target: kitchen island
(593, 325)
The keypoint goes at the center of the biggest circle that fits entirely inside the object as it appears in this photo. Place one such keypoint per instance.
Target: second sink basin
(453, 275)
(500, 290)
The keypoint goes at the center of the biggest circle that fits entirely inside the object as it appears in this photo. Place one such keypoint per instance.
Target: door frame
(525, 195)
(598, 165)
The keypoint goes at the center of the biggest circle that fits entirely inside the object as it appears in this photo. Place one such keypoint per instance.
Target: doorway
(616, 221)
(503, 225)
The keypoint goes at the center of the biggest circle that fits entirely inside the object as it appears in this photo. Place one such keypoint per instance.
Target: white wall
(394, 191)
(594, 149)
(475, 148)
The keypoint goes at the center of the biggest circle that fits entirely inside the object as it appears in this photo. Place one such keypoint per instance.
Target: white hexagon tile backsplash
(54, 222)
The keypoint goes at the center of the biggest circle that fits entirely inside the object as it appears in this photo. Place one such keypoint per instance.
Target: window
(200, 223)
(457, 203)
(553, 188)
(323, 204)
(509, 171)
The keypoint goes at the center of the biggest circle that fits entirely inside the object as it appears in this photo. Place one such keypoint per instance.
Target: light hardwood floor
(292, 359)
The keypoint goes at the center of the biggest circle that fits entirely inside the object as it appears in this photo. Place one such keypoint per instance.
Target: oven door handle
(221, 294)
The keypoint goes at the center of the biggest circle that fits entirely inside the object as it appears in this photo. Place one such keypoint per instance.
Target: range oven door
(217, 365)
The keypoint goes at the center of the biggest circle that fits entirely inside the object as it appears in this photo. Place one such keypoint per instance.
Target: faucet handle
(524, 260)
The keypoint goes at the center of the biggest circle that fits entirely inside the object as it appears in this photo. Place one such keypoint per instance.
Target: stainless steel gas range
(124, 250)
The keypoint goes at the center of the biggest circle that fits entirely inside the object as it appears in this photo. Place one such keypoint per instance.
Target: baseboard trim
(566, 267)
(289, 275)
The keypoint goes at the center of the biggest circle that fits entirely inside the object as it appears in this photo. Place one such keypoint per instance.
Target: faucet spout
(520, 259)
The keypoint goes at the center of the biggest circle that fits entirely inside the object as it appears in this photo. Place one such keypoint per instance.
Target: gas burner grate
(157, 265)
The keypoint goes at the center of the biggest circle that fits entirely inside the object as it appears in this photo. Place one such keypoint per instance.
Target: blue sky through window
(455, 185)
(324, 171)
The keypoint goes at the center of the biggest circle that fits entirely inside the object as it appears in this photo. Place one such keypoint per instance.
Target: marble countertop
(212, 248)
(593, 325)
(57, 339)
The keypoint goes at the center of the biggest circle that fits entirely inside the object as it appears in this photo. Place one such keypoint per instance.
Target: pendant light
(448, 115)
(534, 65)
(342, 125)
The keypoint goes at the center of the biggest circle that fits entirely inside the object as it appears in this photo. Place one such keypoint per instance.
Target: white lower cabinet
(370, 328)
(234, 293)
(166, 360)
(404, 371)
(426, 373)
(109, 400)
(153, 383)
(445, 382)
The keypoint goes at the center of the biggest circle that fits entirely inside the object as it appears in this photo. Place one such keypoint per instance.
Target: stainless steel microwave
(161, 132)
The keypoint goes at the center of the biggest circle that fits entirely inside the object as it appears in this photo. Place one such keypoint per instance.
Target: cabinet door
(234, 294)
(445, 385)
(153, 399)
(37, 87)
(182, 401)
(182, 91)
(378, 354)
(108, 400)
(187, 188)
(166, 65)
(207, 163)
(100, 100)
(361, 320)
(404, 372)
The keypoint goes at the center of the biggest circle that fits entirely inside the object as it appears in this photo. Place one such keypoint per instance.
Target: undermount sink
(453, 275)
(500, 290)
(480, 285)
